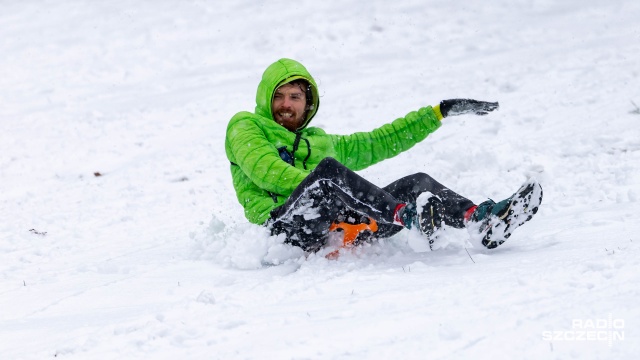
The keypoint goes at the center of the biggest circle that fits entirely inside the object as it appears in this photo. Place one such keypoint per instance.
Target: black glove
(455, 107)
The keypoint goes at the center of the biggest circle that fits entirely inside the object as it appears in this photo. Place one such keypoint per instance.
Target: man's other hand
(454, 107)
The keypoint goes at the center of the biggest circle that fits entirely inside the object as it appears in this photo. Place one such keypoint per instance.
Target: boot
(494, 222)
(430, 216)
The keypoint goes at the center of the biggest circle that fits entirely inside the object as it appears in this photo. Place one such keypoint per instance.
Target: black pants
(332, 192)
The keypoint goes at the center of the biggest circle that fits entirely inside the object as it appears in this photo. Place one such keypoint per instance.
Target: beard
(289, 118)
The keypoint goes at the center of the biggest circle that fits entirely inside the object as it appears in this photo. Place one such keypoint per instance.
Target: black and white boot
(430, 219)
(492, 223)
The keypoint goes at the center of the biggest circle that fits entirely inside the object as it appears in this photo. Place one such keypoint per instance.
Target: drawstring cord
(296, 144)
(304, 162)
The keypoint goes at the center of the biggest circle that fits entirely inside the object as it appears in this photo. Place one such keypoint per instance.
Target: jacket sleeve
(360, 150)
(248, 147)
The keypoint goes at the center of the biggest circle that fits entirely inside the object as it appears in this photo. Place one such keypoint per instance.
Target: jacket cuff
(436, 109)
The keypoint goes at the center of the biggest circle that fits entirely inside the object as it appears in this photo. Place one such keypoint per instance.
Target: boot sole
(428, 226)
(524, 204)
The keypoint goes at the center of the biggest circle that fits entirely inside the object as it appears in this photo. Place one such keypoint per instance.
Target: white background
(154, 259)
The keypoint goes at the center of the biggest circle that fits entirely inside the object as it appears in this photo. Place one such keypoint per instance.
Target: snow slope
(121, 236)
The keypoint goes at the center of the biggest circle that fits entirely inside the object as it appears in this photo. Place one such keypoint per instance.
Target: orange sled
(351, 232)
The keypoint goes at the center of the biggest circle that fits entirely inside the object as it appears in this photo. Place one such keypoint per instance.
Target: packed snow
(121, 236)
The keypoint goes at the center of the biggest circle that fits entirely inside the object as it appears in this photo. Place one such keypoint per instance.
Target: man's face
(288, 106)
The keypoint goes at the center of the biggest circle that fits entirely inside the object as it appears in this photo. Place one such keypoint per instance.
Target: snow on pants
(331, 190)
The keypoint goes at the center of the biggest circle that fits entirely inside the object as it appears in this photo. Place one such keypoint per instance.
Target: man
(299, 180)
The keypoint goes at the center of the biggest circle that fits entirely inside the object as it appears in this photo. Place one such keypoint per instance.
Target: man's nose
(287, 102)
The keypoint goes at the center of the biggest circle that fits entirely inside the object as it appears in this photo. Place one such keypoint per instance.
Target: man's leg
(330, 191)
(454, 206)
(488, 223)
(410, 187)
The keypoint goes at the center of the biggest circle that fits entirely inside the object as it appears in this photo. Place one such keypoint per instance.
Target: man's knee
(329, 167)
(420, 180)
(414, 184)
(422, 177)
(329, 162)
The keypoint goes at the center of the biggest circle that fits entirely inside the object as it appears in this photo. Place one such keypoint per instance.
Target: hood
(282, 72)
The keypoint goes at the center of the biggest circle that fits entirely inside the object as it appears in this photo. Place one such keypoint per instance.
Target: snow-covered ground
(120, 234)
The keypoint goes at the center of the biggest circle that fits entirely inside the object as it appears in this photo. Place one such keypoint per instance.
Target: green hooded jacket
(263, 181)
